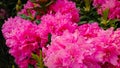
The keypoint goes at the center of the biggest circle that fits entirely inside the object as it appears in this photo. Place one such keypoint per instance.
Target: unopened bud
(19, 2)
(17, 7)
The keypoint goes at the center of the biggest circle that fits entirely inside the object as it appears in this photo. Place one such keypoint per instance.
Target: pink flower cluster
(23, 38)
(88, 47)
(112, 5)
(28, 9)
(58, 23)
(66, 7)
(62, 16)
(72, 46)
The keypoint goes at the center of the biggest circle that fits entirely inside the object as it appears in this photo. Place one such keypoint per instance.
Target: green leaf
(91, 21)
(87, 5)
(37, 21)
(1, 3)
(49, 3)
(13, 66)
(25, 17)
(82, 22)
(30, 66)
(40, 63)
(39, 59)
(36, 57)
(112, 22)
(105, 14)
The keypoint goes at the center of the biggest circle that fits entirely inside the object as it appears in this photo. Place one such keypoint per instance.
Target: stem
(41, 60)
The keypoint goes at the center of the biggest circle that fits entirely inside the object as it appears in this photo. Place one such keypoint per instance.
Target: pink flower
(23, 37)
(112, 5)
(78, 50)
(13, 26)
(58, 23)
(105, 49)
(28, 9)
(98, 3)
(89, 30)
(66, 7)
(64, 55)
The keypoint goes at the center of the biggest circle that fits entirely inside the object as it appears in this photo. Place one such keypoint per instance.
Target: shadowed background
(7, 9)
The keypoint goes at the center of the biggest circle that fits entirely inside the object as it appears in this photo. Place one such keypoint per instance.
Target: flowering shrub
(112, 5)
(58, 23)
(59, 34)
(83, 49)
(28, 9)
(23, 38)
(66, 7)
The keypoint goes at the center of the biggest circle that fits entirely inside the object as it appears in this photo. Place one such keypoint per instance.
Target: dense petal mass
(28, 9)
(65, 7)
(63, 42)
(58, 23)
(23, 38)
(78, 50)
(112, 5)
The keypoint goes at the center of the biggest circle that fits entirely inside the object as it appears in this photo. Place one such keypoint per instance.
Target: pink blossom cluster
(88, 47)
(71, 46)
(23, 38)
(63, 15)
(66, 7)
(112, 5)
(28, 9)
(58, 23)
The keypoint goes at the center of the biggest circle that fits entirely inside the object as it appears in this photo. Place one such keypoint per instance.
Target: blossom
(64, 55)
(28, 9)
(65, 7)
(58, 23)
(23, 38)
(98, 3)
(78, 50)
(89, 30)
(112, 5)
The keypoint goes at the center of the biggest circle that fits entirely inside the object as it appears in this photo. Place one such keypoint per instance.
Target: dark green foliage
(89, 16)
(88, 13)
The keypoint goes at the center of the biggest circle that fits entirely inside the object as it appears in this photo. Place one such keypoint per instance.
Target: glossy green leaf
(25, 17)
(105, 14)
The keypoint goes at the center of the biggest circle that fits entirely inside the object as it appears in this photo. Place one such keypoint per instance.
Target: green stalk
(39, 60)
